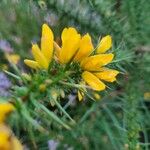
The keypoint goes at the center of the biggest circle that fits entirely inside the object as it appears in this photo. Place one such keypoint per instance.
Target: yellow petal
(31, 64)
(39, 57)
(5, 135)
(67, 32)
(80, 95)
(108, 75)
(93, 81)
(47, 42)
(4, 141)
(13, 58)
(93, 63)
(57, 49)
(105, 44)
(70, 45)
(86, 47)
(7, 140)
(5, 108)
(16, 144)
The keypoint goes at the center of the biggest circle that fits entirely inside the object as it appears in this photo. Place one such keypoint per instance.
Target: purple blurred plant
(52, 144)
(51, 19)
(5, 46)
(5, 84)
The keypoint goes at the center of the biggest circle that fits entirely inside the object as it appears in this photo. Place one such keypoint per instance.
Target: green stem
(24, 112)
(65, 113)
(74, 85)
(51, 114)
(88, 112)
(12, 75)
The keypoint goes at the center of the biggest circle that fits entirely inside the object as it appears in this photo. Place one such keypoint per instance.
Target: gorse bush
(74, 74)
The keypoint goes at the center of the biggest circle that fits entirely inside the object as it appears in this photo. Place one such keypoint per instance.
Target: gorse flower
(92, 65)
(13, 58)
(42, 57)
(5, 109)
(76, 49)
(7, 140)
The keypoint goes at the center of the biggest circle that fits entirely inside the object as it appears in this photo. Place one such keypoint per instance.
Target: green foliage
(120, 120)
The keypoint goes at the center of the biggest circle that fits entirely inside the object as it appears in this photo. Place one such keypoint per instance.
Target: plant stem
(65, 113)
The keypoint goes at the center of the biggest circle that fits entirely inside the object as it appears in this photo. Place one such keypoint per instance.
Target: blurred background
(123, 117)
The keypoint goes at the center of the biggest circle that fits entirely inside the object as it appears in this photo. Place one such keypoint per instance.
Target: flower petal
(70, 45)
(105, 44)
(47, 42)
(93, 63)
(57, 49)
(80, 95)
(13, 58)
(93, 81)
(39, 57)
(5, 108)
(31, 64)
(67, 32)
(16, 144)
(86, 47)
(108, 75)
(5, 134)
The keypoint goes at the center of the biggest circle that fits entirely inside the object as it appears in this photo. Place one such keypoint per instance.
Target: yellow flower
(16, 144)
(147, 95)
(4, 141)
(70, 44)
(42, 56)
(92, 66)
(5, 108)
(77, 49)
(7, 140)
(13, 58)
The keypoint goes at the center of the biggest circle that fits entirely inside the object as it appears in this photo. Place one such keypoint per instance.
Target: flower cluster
(7, 140)
(75, 49)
